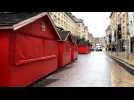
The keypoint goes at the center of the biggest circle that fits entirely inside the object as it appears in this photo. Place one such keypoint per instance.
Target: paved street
(91, 70)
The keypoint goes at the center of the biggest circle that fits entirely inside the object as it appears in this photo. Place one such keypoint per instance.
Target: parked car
(98, 49)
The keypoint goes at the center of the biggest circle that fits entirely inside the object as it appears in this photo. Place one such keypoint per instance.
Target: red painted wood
(83, 49)
(61, 55)
(64, 53)
(68, 52)
(5, 70)
(35, 29)
(21, 62)
(74, 51)
(68, 55)
(27, 54)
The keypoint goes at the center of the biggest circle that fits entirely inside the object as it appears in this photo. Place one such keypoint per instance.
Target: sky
(97, 22)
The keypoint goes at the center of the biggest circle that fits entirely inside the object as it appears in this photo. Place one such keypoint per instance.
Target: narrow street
(102, 43)
(92, 70)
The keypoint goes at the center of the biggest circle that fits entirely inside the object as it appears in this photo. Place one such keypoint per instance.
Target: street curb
(125, 65)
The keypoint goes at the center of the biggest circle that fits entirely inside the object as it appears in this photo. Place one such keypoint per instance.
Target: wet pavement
(90, 70)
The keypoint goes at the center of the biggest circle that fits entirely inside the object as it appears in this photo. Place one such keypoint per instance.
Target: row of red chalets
(84, 48)
(31, 47)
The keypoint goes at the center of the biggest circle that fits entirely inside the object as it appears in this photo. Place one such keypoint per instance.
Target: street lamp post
(128, 37)
(117, 43)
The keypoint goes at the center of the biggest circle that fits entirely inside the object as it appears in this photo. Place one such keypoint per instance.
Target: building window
(123, 27)
(54, 16)
(123, 15)
(58, 18)
(43, 28)
(59, 14)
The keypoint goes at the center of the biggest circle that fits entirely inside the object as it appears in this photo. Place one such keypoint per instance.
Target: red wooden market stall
(64, 48)
(84, 48)
(74, 48)
(73, 45)
(67, 48)
(28, 48)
